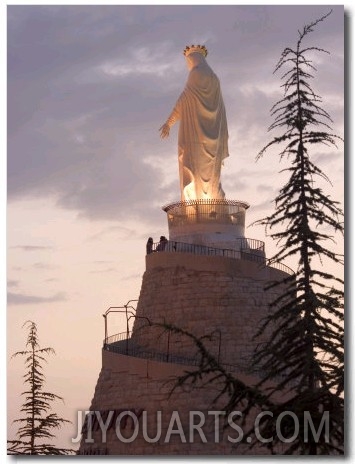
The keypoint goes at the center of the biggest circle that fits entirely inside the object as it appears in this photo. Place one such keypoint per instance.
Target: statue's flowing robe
(203, 135)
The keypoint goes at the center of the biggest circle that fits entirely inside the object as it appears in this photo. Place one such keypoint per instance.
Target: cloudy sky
(88, 89)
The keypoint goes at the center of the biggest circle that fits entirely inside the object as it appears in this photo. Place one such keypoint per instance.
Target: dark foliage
(306, 345)
(38, 422)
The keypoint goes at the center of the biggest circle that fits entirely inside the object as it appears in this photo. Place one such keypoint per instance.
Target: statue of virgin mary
(203, 132)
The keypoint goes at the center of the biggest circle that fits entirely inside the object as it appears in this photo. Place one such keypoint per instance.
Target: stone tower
(206, 278)
(210, 283)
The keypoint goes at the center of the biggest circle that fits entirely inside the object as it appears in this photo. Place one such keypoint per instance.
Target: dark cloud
(24, 299)
(89, 86)
(12, 283)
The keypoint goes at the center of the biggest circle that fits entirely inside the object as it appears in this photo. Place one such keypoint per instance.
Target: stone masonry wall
(216, 295)
(201, 294)
(142, 387)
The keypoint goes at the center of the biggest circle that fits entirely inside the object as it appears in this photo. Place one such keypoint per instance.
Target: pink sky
(88, 89)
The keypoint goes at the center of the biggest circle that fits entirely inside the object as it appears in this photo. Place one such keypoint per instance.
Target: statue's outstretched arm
(164, 130)
(174, 116)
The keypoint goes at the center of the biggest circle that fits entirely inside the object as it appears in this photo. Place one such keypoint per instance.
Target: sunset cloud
(24, 299)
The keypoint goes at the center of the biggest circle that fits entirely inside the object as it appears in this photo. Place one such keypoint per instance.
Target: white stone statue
(203, 132)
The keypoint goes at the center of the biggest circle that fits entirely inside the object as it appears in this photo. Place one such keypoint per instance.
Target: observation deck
(245, 249)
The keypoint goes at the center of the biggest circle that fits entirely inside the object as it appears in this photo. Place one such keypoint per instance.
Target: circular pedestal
(216, 223)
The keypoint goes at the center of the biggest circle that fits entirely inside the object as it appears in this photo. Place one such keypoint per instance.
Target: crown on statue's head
(195, 48)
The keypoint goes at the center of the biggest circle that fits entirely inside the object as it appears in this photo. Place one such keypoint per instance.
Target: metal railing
(123, 343)
(281, 267)
(245, 245)
(206, 202)
(119, 337)
(207, 211)
(248, 249)
(130, 347)
(126, 309)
